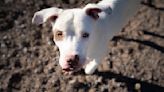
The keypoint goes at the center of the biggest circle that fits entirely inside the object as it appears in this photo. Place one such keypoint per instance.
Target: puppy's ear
(44, 15)
(92, 10)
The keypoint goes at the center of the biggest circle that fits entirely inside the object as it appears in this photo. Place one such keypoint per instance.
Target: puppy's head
(72, 29)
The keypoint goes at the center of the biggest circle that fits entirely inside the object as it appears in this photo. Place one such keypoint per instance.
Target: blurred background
(29, 57)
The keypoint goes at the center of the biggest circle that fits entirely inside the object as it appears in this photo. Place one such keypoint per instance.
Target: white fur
(73, 22)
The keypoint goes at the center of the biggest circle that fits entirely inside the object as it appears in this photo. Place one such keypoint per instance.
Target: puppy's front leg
(91, 66)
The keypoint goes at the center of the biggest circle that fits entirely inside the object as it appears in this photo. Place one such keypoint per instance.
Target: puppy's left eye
(59, 35)
(85, 35)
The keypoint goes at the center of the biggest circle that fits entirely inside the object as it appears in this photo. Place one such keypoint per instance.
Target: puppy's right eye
(59, 35)
(85, 35)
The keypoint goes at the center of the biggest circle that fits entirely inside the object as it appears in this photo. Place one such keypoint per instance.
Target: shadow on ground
(130, 82)
(144, 42)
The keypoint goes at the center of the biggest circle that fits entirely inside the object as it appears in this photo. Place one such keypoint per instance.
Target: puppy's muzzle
(72, 63)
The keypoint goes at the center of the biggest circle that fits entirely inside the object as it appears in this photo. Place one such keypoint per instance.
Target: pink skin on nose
(72, 63)
(64, 65)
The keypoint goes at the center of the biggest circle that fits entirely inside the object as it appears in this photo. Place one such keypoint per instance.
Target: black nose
(76, 58)
(73, 60)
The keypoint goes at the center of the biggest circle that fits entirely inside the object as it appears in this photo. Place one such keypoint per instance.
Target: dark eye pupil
(85, 35)
(59, 33)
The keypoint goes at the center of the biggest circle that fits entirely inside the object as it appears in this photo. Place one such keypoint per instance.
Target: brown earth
(29, 57)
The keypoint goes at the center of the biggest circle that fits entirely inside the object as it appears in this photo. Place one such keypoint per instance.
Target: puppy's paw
(91, 67)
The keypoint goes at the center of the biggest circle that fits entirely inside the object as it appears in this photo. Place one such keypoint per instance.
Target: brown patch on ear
(52, 18)
(93, 12)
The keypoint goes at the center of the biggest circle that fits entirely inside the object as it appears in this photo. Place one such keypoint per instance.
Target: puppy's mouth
(71, 69)
(72, 66)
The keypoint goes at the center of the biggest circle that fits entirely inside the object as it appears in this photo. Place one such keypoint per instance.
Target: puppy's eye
(85, 35)
(59, 35)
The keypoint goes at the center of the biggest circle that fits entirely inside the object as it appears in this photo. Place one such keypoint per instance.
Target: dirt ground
(29, 57)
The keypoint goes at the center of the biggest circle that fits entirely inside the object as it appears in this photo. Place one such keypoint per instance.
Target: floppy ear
(44, 15)
(92, 10)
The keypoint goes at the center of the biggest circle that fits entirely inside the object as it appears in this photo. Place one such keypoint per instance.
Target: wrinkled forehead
(73, 19)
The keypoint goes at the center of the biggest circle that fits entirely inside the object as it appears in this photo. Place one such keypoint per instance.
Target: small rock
(137, 86)
(8, 55)
(92, 90)
(99, 79)
(104, 88)
(25, 50)
(5, 37)
(3, 56)
(132, 76)
(56, 48)
(38, 70)
(49, 43)
(22, 26)
(3, 45)
(73, 81)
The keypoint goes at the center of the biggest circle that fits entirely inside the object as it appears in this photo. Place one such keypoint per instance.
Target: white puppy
(82, 34)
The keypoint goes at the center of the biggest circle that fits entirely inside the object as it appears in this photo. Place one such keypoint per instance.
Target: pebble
(99, 80)
(132, 76)
(49, 42)
(38, 70)
(53, 81)
(104, 88)
(8, 55)
(92, 90)
(56, 48)
(25, 50)
(137, 86)
(3, 45)
(73, 81)
(5, 37)
(22, 26)
(3, 56)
